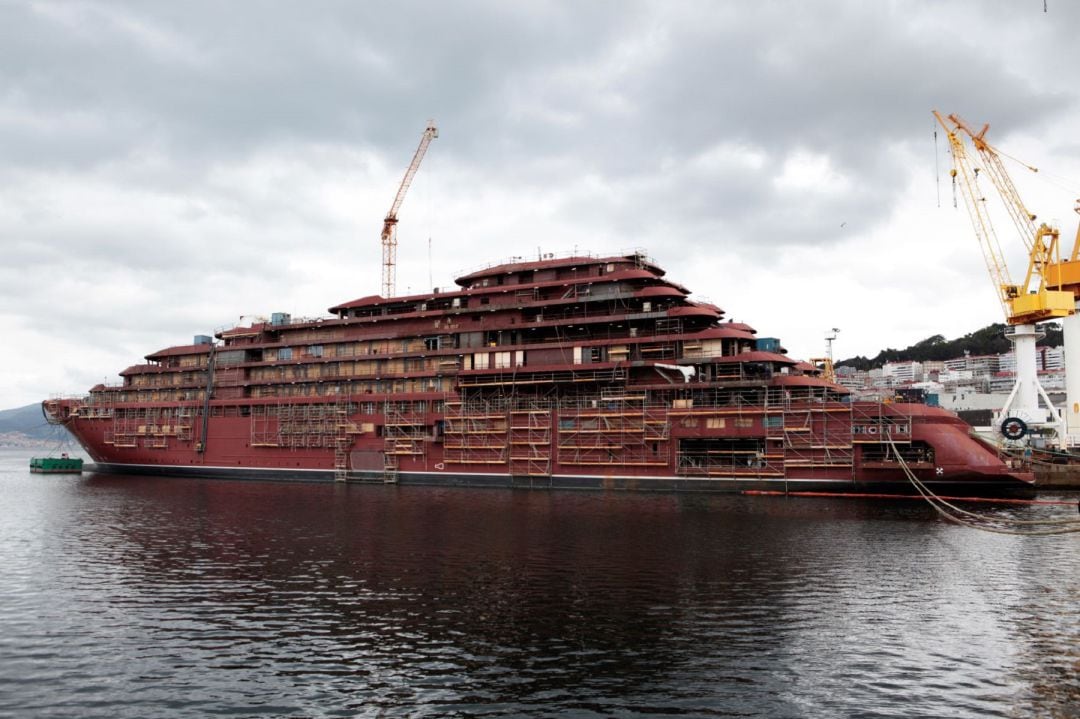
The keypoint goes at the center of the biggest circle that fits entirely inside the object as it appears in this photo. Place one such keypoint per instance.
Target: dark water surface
(149, 597)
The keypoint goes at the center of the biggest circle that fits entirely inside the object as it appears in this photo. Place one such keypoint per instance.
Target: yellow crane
(1024, 304)
(1065, 275)
(1032, 301)
(828, 369)
(389, 230)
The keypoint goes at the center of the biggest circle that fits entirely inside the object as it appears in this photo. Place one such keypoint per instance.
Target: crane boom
(1023, 218)
(1025, 305)
(389, 230)
(1031, 301)
(1041, 241)
(980, 220)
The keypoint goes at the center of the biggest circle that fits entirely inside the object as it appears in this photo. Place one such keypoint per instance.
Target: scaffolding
(519, 377)
(124, 432)
(476, 432)
(344, 430)
(303, 426)
(151, 427)
(733, 437)
(884, 436)
(616, 429)
(530, 439)
(184, 419)
(405, 435)
(266, 426)
(817, 434)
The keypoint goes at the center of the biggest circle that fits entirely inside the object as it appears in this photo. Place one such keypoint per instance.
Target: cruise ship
(557, 372)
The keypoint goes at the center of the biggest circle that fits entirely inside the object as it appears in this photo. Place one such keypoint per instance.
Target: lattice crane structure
(1026, 304)
(389, 231)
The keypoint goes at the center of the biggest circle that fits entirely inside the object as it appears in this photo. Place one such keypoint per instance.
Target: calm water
(142, 597)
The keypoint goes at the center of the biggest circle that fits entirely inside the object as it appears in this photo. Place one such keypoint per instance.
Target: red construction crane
(389, 230)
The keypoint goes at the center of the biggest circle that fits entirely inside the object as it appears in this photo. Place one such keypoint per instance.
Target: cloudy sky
(168, 168)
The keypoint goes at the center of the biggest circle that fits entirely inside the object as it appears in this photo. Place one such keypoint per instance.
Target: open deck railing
(638, 252)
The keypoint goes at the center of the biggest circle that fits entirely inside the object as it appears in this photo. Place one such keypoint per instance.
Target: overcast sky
(166, 168)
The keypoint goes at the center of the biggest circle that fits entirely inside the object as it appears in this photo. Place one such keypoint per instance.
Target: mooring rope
(1065, 526)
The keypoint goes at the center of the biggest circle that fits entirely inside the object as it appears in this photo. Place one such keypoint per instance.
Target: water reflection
(261, 599)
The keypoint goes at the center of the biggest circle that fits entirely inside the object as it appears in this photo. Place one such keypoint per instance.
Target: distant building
(979, 383)
(978, 364)
(903, 372)
(955, 376)
(1002, 382)
(1053, 380)
(1052, 358)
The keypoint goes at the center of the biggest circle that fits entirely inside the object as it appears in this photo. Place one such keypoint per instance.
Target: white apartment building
(1052, 358)
(979, 364)
(903, 372)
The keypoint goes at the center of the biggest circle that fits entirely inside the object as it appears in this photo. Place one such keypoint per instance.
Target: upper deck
(577, 321)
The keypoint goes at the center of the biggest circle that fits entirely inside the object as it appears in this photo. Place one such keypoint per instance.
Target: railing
(638, 252)
(265, 323)
(523, 377)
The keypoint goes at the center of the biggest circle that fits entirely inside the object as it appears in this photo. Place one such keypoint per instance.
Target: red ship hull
(959, 464)
(570, 373)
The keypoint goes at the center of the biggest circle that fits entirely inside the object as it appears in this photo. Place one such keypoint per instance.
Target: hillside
(989, 340)
(26, 427)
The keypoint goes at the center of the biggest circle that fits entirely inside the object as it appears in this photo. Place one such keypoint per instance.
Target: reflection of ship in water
(484, 586)
(403, 594)
(573, 372)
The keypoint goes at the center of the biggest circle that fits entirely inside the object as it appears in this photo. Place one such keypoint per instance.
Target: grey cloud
(141, 143)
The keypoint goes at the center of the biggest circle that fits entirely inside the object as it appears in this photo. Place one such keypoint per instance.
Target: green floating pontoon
(55, 465)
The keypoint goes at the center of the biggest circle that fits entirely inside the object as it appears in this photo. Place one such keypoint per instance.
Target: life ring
(1013, 428)
(871, 430)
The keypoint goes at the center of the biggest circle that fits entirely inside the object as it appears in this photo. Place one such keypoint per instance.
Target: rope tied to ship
(973, 520)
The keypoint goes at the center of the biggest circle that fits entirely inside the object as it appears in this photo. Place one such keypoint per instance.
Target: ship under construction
(558, 372)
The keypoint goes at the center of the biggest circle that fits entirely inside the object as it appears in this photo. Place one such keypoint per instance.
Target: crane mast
(1021, 216)
(980, 219)
(1041, 241)
(1025, 305)
(1030, 302)
(389, 230)
(1065, 275)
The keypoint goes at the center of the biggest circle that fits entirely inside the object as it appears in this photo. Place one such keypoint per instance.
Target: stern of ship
(947, 456)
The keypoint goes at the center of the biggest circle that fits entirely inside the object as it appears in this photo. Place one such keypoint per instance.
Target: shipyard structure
(563, 372)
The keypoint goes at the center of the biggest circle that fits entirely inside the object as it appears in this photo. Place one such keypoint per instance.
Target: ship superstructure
(575, 371)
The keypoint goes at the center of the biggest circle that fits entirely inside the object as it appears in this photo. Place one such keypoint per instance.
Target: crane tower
(1025, 304)
(389, 230)
(1065, 275)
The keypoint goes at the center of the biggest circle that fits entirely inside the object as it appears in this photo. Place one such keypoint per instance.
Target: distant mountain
(26, 426)
(989, 340)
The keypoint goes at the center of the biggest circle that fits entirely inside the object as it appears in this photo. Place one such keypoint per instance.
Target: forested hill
(26, 427)
(987, 341)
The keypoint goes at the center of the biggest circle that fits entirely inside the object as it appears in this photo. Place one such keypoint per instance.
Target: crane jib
(389, 233)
